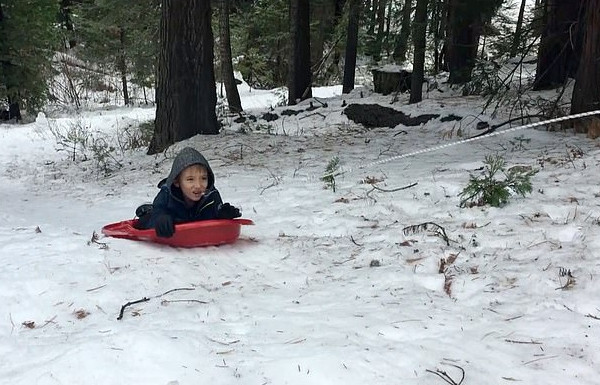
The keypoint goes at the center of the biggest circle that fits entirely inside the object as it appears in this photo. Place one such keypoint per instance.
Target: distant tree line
(179, 48)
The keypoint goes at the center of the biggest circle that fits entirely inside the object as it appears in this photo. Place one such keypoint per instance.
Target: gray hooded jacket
(170, 199)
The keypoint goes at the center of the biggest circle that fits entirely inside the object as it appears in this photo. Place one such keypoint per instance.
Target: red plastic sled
(192, 234)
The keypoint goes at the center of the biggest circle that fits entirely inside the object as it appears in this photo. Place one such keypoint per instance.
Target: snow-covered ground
(327, 287)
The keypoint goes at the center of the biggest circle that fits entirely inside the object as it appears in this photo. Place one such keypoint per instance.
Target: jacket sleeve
(211, 207)
(159, 207)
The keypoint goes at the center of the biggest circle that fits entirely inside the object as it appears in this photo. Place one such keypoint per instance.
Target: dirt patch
(375, 115)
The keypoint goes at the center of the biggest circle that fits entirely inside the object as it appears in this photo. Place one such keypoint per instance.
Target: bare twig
(223, 343)
(120, 317)
(172, 290)
(166, 301)
(314, 113)
(163, 302)
(523, 342)
(96, 288)
(444, 376)
(438, 230)
(353, 241)
(95, 239)
(539, 359)
(396, 189)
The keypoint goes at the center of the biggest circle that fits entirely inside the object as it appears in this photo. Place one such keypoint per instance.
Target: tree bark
(300, 76)
(186, 94)
(462, 41)
(518, 30)
(560, 46)
(438, 28)
(322, 14)
(419, 37)
(233, 96)
(401, 44)
(122, 65)
(351, 46)
(586, 92)
(380, 29)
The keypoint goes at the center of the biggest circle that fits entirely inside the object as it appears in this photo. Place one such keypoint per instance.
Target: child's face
(193, 182)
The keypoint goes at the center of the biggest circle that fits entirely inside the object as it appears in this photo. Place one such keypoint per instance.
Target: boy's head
(189, 158)
(193, 182)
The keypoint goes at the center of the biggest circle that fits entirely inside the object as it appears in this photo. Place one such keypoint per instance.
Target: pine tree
(300, 75)
(27, 44)
(120, 37)
(186, 94)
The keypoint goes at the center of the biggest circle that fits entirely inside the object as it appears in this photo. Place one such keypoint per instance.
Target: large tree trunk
(401, 43)
(419, 35)
(300, 77)
(322, 14)
(351, 46)
(186, 94)
(233, 96)
(560, 47)
(464, 27)
(586, 93)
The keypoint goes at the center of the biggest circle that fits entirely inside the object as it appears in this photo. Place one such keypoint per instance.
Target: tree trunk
(517, 37)
(560, 47)
(401, 45)
(122, 65)
(186, 95)
(371, 16)
(322, 14)
(380, 29)
(300, 77)
(419, 37)
(586, 92)
(233, 95)
(440, 19)
(464, 26)
(351, 46)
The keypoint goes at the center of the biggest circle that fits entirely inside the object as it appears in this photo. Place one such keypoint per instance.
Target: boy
(188, 194)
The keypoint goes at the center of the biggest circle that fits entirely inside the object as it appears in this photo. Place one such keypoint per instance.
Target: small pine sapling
(487, 189)
(331, 172)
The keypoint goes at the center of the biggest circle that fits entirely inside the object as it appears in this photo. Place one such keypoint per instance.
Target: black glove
(144, 209)
(164, 226)
(227, 211)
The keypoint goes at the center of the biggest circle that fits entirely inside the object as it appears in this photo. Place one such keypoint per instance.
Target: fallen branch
(353, 241)
(314, 113)
(163, 302)
(437, 230)
(120, 317)
(166, 301)
(523, 342)
(444, 376)
(396, 189)
(178, 289)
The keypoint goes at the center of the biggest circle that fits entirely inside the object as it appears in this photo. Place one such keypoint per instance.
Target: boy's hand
(227, 211)
(164, 226)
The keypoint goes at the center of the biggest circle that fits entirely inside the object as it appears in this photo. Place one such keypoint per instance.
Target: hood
(187, 157)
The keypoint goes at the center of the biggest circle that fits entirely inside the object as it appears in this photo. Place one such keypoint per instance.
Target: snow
(326, 288)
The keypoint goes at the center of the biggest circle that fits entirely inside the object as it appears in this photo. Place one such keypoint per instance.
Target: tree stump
(388, 80)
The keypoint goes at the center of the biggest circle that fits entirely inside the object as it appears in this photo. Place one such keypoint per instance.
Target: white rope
(341, 171)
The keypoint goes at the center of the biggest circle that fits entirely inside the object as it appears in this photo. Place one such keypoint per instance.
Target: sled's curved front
(192, 234)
